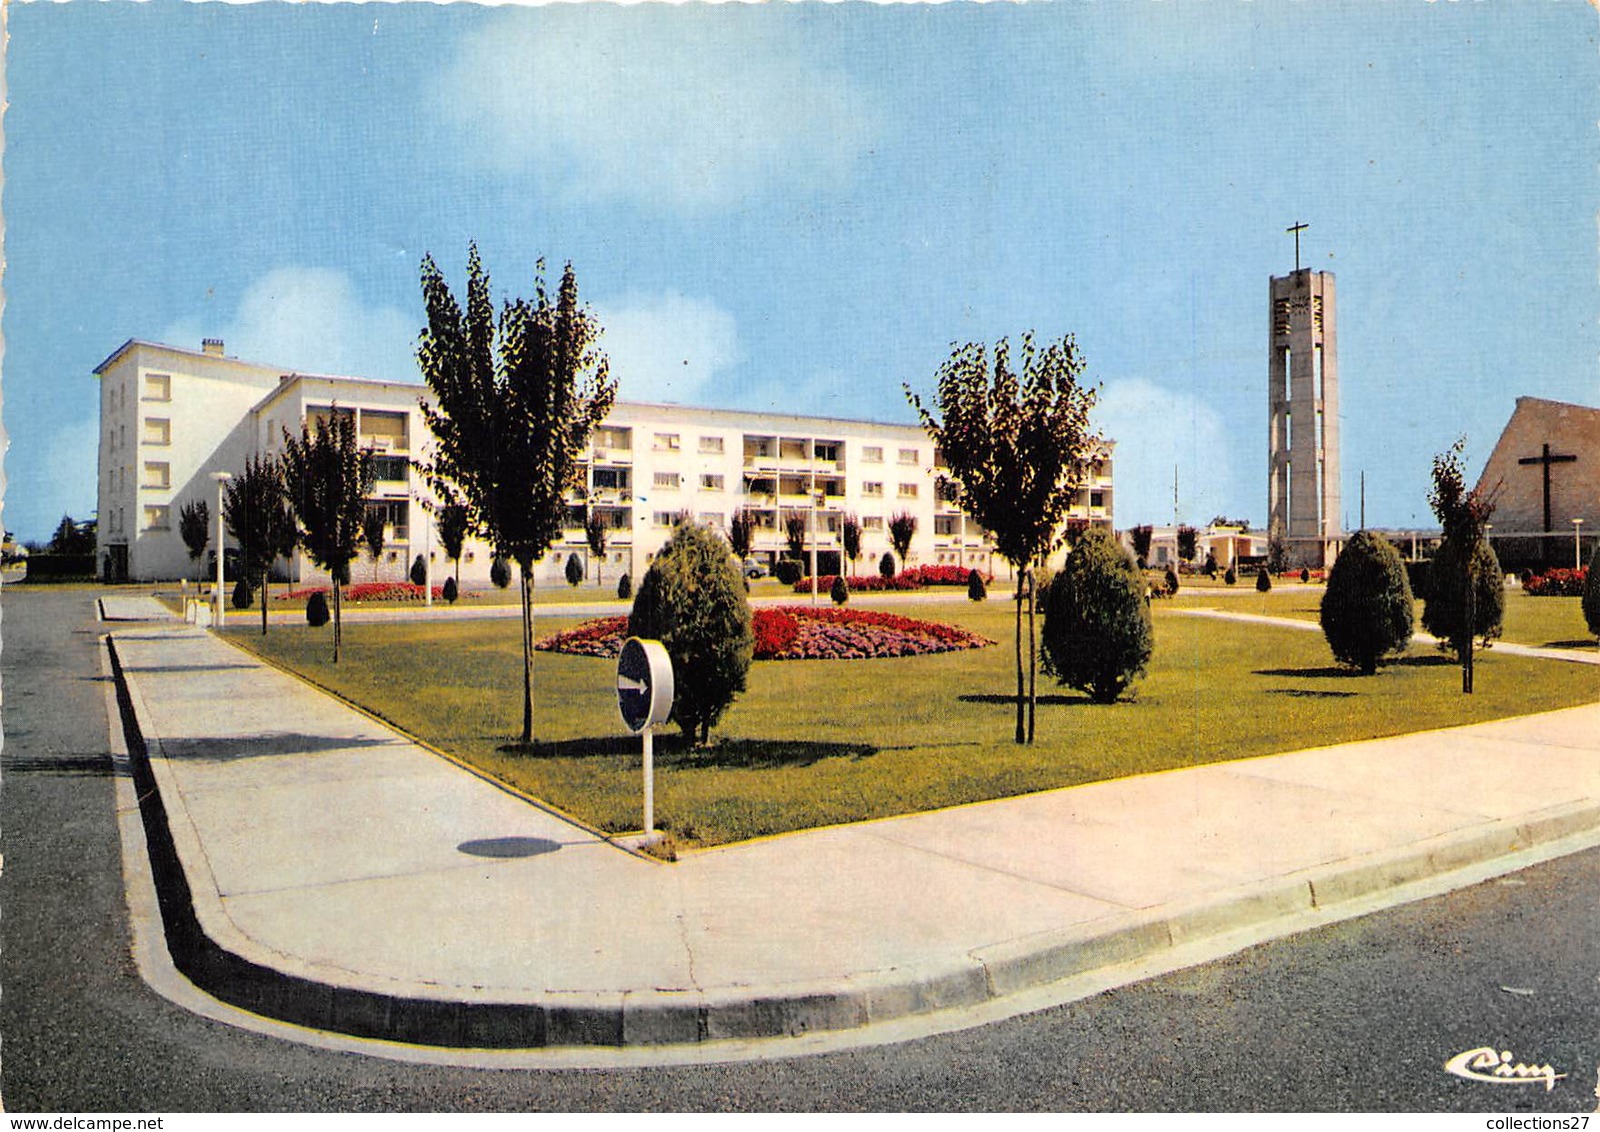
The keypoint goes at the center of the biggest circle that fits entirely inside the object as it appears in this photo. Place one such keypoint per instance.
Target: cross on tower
(1297, 229)
(1546, 459)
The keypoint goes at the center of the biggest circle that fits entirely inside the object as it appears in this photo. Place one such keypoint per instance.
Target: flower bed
(367, 591)
(1557, 583)
(913, 579)
(798, 633)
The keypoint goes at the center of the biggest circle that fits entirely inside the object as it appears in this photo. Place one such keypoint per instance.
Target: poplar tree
(328, 477)
(513, 405)
(1017, 441)
(255, 508)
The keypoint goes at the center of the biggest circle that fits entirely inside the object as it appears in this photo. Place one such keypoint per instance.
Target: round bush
(500, 573)
(1367, 609)
(1231, 577)
(241, 594)
(1097, 633)
(1305, 574)
(1591, 594)
(976, 590)
(451, 590)
(1172, 581)
(1210, 567)
(840, 590)
(886, 565)
(692, 600)
(574, 569)
(1444, 613)
(419, 571)
(624, 587)
(1263, 580)
(787, 571)
(317, 613)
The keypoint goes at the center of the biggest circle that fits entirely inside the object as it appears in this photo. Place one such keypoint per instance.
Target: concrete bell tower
(1303, 403)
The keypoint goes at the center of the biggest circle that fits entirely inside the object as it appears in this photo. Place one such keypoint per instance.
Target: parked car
(755, 568)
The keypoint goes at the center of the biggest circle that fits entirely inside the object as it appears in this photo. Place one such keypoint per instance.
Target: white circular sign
(644, 683)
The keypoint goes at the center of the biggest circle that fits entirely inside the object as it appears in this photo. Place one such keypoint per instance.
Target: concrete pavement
(316, 867)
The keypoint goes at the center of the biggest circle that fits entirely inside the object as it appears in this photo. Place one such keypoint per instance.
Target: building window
(396, 515)
(827, 450)
(908, 456)
(908, 491)
(157, 431)
(667, 481)
(393, 468)
(666, 518)
(872, 455)
(711, 482)
(1097, 499)
(944, 525)
(712, 519)
(872, 522)
(158, 387)
(157, 475)
(711, 445)
(620, 439)
(666, 442)
(156, 518)
(873, 489)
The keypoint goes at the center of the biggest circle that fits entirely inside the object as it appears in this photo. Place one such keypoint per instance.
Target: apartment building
(647, 468)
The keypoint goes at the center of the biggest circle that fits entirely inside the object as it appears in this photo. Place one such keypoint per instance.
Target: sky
(802, 207)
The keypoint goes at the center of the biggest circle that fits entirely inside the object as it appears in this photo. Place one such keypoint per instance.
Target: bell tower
(1303, 404)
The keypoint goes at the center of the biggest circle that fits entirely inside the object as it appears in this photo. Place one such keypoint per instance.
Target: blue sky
(799, 207)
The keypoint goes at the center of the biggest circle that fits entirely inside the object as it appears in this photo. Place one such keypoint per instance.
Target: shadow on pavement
(233, 748)
(508, 847)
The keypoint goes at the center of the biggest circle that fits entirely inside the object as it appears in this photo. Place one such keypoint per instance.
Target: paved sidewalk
(318, 868)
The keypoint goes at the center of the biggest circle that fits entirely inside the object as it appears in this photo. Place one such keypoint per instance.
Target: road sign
(644, 684)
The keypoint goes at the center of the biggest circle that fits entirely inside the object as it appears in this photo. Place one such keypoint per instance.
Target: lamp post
(1577, 545)
(221, 478)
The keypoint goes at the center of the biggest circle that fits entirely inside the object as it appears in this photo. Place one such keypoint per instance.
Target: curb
(216, 957)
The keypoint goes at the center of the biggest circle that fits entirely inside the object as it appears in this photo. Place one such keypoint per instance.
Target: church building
(1544, 475)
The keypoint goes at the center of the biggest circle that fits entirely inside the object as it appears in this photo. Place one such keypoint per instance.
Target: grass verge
(816, 743)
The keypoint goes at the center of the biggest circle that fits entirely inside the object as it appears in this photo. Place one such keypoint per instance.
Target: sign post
(644, 699)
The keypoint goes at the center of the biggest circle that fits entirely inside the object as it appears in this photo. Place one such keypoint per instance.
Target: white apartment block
(170, 417)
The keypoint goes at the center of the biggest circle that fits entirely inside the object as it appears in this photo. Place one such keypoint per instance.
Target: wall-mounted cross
(1546, 459)
(1297, 229)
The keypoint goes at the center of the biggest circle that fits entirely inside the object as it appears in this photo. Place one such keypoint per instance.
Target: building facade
(1544, 478)
(646, 469)
(1303, 414)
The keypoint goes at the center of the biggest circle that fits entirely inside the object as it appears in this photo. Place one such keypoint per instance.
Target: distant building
(170, 417)
(1543, 474)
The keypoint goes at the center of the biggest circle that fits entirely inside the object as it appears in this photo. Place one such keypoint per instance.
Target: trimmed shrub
(692, 600)
(1418, 573)
(1210, 567)
(419, 572)
(1172, 582)
(317, 614)
(1097, 633)
(1231, 577)
(839, 591)
(1591, 594)
(574, 570)
(886, 566)
(624, 587)
(451, 590)
(976, 590)
(787, 571)
(1263, 580)
(500, 573)
(1556, 583)
(1444, 614)
(1305, 575)
(1367, 611)
(241, 594)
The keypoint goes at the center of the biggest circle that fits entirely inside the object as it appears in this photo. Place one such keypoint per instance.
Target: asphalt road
(1358, 1016)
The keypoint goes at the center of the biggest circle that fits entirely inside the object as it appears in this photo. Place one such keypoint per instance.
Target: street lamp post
(1577, 545)
(221, 478)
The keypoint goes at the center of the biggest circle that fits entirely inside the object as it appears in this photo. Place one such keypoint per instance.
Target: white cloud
(667, 347)
(311, 319)
(1156, 429)
(689, 109)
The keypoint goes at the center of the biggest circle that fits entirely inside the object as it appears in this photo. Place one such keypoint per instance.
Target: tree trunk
(263, 603)
(338, 625)
(1033, 654)
(1469, 626)
(526, 570)
(1021, 734)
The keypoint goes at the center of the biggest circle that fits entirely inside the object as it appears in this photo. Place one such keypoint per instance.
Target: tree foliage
(595, 533)
(840, 590)
(1367, 609)
(886, 565)
(372, 535)
(1141, 537)
(194, 527)
(1188, 543)
(327, 477)
(255, 509)
(1591, 594)
(741, 532)
(692, 600)
(513, 405)
(574, 569)
(1098, 634)
(1263, 580)
(1461, 570)
(1016, 438)
(794, 532)
(453, 532)
(850, 537)
(976, 590)
(902, 530)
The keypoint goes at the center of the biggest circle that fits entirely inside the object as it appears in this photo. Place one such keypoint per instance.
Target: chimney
(212, 347)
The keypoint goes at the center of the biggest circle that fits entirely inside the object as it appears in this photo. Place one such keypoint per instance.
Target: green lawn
(820, 742)
(1555, 622)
